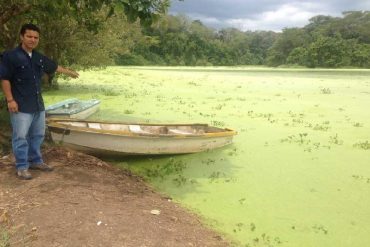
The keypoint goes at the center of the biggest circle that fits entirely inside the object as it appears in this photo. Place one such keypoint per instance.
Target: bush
(131, 59)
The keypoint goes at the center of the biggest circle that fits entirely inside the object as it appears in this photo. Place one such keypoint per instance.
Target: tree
(298, 56)
(82, 11)
(259, 43)
(326, 52)
(77, 32)
(146, 10)
(290, 39)
(360, 56)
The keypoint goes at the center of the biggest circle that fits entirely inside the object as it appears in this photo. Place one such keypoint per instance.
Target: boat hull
(73, 108)
(105, 144)
(100, 137)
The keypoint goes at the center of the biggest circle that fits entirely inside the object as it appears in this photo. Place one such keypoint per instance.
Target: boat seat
(94, 125)
(179, 132)
(137, 129)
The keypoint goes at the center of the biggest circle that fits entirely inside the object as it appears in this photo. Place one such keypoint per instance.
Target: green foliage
(87, 33)
(298, 55)
(83, 11)
(106, 32)
(325, 42)
(290, 39)
(147, 10)
(326, 52)
(322, 43)
(131, 59)
(360, 55)
(181, 41)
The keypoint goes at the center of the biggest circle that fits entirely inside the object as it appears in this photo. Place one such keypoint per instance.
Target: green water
(298, 173)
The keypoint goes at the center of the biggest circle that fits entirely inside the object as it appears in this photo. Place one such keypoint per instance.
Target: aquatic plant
(264, 240)
(242, 200)
(322, 127)
(302, 137)
(361, 178)
(209, 161)
(110, 92)
(358, 125)
(232, 152)
(325, 91)
(218, 123)
(219, 106)
(128, 111)
(192, 83)
(252, 227)
(180, 180)
(215, 176)
(362, 145)
(319, 228)
(129, 95)
(239, 227)
(172, 166)
(335, 140)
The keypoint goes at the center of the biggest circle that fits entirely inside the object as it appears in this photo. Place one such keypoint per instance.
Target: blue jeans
(28, 135)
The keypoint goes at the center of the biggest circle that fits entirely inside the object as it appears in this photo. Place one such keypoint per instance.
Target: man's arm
(68, 72)
(6, 72)
(12, 105)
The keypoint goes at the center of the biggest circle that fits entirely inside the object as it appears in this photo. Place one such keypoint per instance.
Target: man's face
(30, 40)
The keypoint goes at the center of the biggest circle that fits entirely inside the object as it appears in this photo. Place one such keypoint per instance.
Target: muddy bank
(87, 202)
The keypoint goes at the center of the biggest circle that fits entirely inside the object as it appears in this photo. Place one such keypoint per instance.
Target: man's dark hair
(29, 26)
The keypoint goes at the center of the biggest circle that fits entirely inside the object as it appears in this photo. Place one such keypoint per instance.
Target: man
(21, 70)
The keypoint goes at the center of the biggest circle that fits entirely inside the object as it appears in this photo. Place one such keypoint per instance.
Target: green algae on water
(298, 172)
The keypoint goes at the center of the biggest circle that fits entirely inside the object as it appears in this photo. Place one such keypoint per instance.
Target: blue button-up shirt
(24, 73)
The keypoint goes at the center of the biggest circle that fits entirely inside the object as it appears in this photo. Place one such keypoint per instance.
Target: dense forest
(326, 41)
(106, 33)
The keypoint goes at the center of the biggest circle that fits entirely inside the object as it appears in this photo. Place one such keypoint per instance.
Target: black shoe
(42, 167)
(24, 174)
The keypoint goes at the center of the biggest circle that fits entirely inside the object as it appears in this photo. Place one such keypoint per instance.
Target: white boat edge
(116, 143)
(85, 113)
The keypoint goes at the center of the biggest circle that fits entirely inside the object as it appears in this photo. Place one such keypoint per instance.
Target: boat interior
(196, 129)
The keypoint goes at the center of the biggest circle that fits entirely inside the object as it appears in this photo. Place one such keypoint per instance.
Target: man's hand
(73, 73)
(7, 89)
(13, 106)
(68, 72)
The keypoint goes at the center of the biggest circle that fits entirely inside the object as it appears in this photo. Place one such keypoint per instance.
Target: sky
(272, 15)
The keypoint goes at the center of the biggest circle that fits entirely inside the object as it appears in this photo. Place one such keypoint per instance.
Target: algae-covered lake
(298, 173)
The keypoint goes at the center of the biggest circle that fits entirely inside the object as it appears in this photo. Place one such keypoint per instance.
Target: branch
(9, 12)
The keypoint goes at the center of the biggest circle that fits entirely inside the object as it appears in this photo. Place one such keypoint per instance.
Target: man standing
(21, 70)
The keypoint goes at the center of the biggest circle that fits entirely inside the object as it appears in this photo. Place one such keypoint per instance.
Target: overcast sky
(271, 15)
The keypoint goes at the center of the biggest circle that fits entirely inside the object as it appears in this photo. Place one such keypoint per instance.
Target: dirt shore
(87, 202)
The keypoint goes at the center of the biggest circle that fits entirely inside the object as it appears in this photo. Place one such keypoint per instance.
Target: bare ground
(87, 202)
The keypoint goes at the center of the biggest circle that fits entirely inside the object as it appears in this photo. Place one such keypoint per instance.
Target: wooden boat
(73, 108)
(137, 139)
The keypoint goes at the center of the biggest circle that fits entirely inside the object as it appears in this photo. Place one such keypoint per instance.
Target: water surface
(298, 173)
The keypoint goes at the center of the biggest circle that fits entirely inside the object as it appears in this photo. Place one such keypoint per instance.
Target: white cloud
(206, 19)
(263, 14)
(287, 15)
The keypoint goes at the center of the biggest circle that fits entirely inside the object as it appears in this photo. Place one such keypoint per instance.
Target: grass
(4, 237)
